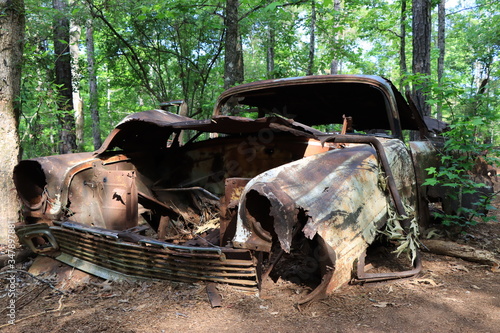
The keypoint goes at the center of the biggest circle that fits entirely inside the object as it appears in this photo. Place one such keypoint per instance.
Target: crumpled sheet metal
(345, 206)
(152, 129)
(44, 183)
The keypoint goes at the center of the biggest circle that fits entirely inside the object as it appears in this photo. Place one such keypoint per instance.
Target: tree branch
(254, 9)
(143, 73)
(471, 8)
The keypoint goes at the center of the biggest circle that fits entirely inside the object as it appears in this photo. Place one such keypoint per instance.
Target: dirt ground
(450, 295)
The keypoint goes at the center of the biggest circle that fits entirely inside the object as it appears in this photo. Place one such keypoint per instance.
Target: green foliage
(458, 160)
(38, 125)
(157, 50)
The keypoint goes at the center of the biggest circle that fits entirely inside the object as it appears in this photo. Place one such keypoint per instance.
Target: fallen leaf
(460, 268)
(427, 281)
(383, 304)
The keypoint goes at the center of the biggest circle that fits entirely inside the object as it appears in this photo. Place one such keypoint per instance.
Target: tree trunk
(270, 51)
(421, 13)
(67, 135)
(93, 97)
(74, 40)
(334, 66)
(270, 47)
(441, 47)
(312, 39)
(233, 61)
(11, 52)
(403, 70)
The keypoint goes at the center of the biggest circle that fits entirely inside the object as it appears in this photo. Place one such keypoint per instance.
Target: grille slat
(232, 266)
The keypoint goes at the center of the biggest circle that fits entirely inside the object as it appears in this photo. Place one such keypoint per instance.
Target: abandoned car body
(311, 173)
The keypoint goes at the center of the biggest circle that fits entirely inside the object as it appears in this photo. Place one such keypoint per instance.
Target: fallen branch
(464, 252)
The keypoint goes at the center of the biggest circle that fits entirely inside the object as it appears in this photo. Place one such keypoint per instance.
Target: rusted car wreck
(310, 166)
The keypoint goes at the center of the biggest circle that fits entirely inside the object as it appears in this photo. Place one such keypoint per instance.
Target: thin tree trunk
(421, 13)
(441, 47)
(312, 39)
(270, 47)
(335, 64)
(74, 40)
(270, 51)
(403, 70)
(67, 135)
(93, 97)
(11, 52)
(108, 96)
(233, 61)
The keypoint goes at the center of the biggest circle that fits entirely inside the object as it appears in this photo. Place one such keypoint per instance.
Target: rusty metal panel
(208, 163)
(44, 183)
(424, 155)
(342, 193)
(229, 206)
(151, 130)
(104, 196)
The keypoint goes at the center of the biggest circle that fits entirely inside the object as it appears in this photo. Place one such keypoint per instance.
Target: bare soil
(450, 295)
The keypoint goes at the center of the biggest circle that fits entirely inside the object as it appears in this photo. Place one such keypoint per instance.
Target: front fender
(340, 196)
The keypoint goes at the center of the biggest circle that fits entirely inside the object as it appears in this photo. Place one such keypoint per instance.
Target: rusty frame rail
(363, 277)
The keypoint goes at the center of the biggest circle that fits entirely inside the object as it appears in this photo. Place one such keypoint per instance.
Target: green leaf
(272, 6)
(477, 121)
(431, 170)
(430, 181)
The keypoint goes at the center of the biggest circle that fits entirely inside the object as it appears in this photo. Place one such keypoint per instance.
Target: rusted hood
(151, 130)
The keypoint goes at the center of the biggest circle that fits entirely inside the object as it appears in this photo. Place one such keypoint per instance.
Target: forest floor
(449, 295)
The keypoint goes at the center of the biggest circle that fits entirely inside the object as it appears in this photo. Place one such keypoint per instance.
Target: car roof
(372, 101)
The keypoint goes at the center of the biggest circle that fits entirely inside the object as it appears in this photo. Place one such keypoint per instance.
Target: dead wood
(464, 252)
